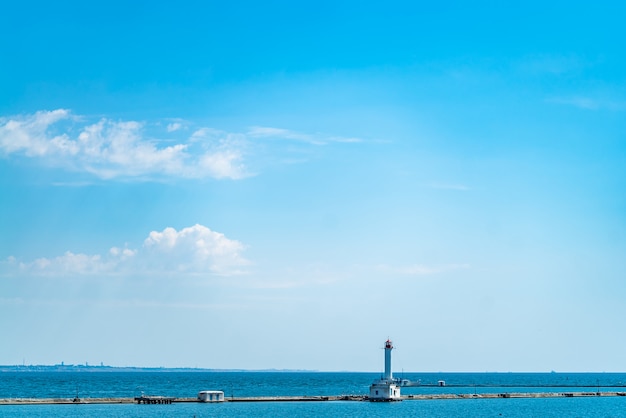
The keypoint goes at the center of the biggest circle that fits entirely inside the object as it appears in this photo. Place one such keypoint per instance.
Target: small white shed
(211, 396)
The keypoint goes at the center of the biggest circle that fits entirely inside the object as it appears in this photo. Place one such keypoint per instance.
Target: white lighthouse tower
(388, 348)
(385, 388)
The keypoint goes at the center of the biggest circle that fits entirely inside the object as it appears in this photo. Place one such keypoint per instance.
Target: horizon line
(58, 366)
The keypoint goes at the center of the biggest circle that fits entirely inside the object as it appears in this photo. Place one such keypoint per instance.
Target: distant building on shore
(385, 388)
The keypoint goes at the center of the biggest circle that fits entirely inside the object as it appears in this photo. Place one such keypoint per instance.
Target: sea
(94, 384)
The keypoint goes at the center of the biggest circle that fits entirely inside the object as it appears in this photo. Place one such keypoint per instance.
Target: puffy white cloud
(195, 250)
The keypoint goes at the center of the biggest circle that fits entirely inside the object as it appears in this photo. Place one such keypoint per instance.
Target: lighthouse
(388, 348)
(385, 388)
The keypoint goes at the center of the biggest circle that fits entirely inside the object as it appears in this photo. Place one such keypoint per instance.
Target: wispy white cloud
(196, 250)
(265, 131)
(29, 134)
(225, 148)
(286, 134)
(589, 103)
(420, 269)
(113, 149)
(552, 64)
(67, 264)
(449, 186)
(174, 126)
(110, 149)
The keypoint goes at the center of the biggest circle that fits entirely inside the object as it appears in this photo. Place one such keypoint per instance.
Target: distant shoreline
(105, 368)
(102, 368)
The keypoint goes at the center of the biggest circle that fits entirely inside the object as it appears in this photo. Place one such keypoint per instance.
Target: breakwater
(506, 395)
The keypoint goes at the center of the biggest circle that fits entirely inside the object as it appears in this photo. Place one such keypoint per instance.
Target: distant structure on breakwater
(385, 388)
(211, 396)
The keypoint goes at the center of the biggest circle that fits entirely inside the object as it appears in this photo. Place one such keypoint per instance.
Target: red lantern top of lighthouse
(388, 345)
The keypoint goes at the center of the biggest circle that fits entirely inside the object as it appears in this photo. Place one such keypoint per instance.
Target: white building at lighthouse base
(384, 390)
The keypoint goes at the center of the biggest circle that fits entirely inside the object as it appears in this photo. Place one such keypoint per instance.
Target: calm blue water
(187, 384)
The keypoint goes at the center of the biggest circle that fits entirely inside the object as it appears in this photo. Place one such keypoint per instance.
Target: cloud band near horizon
(195, 250)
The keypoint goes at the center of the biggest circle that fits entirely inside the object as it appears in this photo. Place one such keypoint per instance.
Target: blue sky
(298, 182)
